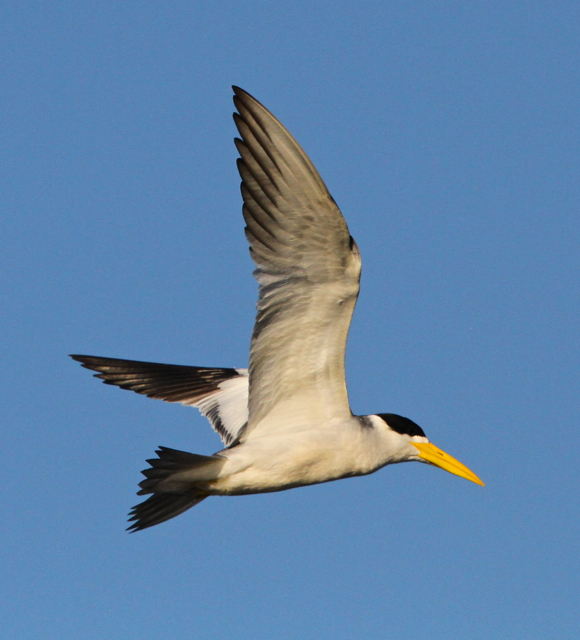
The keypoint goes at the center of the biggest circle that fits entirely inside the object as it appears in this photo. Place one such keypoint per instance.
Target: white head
(408, 442)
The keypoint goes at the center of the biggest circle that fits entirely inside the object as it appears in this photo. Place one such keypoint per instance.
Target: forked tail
(173, 478)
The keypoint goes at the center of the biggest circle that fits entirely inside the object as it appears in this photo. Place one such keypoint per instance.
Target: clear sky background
(448, 133)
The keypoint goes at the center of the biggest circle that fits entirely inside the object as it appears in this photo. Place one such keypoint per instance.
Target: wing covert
(308, 270)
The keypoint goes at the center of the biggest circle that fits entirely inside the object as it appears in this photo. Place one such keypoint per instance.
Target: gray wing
(308, 271)
(221, 395)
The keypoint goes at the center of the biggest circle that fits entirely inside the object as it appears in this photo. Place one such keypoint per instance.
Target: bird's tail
(173, 478)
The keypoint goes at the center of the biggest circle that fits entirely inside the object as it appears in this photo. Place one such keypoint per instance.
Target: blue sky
(448, 134)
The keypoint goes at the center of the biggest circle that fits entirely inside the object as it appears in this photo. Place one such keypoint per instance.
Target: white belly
(283, 461)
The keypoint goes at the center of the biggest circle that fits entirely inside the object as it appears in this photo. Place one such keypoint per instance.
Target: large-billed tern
(286, 422)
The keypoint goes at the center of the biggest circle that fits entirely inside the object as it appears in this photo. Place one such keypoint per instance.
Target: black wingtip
(91, 362)
(84, 360)
(243, 97)
(239, 94)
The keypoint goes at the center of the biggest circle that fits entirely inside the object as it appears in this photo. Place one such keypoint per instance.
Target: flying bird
(286, 421)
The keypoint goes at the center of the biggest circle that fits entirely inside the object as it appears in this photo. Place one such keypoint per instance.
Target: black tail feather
(172, 492)
(161, 507)
(161, 476)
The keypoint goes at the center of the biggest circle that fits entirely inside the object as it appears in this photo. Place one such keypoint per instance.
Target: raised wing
(220, 394)
(308, 270)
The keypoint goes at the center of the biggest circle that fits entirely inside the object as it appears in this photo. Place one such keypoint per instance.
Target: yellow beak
(433, 455)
